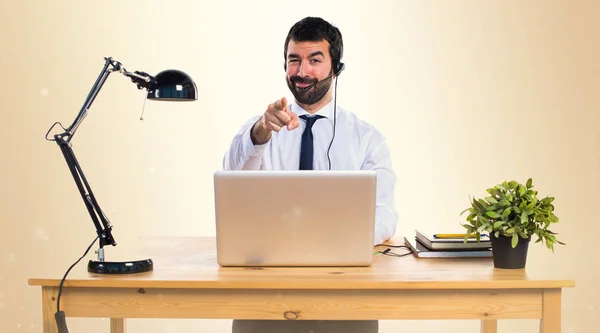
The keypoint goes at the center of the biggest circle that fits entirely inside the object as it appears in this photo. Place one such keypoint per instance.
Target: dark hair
(315, 29)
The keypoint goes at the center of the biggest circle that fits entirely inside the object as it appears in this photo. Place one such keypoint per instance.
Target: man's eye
(315, 60)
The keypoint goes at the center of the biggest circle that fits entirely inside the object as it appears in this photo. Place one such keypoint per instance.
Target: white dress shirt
(357, 146)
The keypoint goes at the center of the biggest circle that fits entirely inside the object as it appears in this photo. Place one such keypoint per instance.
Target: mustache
(298, 79)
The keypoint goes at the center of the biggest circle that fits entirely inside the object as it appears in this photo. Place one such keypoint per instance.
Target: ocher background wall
(469, 93)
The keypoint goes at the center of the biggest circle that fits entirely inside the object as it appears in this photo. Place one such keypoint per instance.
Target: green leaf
(466, 239)
(500, 187)
(466, 210)
(515, 240)
(497, 234)
(529, 182)
(478, 204)
(492, 214)
(491, 200)
(506, 212)
(550, 245)
(498, 224)
(521, 190)
(512, 184)
(524, 216)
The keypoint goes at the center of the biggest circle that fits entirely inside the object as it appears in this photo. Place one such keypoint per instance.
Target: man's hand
(277, 116)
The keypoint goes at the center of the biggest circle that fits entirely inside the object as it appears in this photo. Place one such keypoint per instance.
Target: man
(279, 140)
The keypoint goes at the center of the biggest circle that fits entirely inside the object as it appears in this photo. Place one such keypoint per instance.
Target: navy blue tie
(306, 150)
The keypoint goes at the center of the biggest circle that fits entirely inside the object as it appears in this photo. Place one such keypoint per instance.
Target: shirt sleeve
(243, 154)
(386, 217)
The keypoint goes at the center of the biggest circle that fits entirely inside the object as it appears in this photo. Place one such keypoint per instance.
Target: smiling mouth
(302, 85)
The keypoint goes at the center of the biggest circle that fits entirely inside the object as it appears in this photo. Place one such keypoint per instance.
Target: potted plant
(512, 214)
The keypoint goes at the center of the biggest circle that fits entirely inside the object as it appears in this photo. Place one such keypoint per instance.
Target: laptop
(295, 218)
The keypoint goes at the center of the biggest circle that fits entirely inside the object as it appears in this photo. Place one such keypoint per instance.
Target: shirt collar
(326, 111)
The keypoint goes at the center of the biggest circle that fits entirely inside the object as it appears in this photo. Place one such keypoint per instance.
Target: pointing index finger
(281, 104)
(294, 120)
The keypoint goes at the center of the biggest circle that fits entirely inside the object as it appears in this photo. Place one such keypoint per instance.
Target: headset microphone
(339, 70)
(315, 83)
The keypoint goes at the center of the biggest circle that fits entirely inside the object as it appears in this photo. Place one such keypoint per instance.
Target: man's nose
(303, 69)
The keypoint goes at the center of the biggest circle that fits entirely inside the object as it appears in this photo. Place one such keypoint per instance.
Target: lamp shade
(173, 85)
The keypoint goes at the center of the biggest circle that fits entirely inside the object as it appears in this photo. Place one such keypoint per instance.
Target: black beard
(310, 96)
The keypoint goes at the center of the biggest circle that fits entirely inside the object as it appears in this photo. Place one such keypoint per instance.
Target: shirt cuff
(249, 148)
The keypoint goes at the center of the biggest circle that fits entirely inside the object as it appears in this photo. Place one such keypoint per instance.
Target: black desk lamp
(168, 85)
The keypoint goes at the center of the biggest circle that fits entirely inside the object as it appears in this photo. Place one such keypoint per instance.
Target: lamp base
(123, 267)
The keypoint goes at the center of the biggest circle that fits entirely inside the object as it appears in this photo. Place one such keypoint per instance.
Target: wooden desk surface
(190, 262)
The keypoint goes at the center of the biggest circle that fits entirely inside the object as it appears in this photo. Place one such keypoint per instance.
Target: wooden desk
(188, 283)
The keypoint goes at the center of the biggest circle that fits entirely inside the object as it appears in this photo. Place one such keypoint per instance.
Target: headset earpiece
(339, 67)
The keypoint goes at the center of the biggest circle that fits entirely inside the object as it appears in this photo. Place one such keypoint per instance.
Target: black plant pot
(505, 256)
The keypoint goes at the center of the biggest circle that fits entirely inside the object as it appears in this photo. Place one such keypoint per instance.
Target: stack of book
(428, 245)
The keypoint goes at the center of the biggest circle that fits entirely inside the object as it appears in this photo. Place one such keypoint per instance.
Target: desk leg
(117, 325)
(49, 295)
(551, 312)
(489, 326)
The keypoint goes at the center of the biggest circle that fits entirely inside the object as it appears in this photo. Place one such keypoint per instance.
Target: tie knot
(310, 120)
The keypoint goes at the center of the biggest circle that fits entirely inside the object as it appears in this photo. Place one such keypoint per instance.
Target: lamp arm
(109, 66)
(101, 222)
(142, 79)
